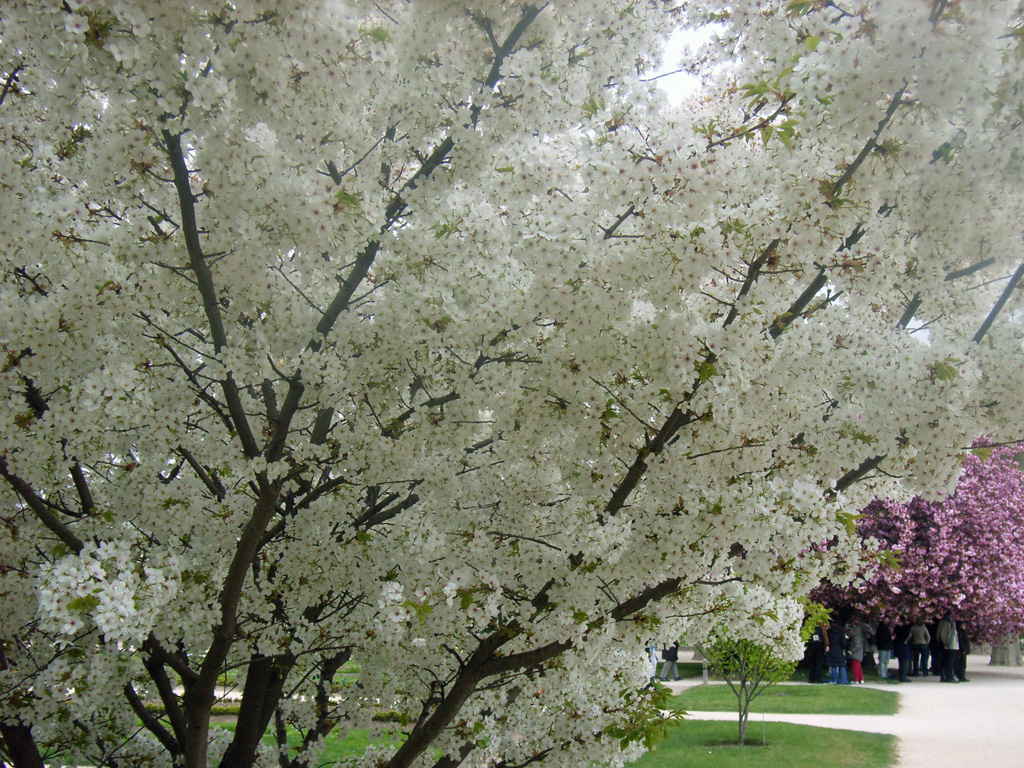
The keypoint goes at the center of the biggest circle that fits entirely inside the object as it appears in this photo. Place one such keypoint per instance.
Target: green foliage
(982, 452)
(593, 106)
(70, 146)
(84, 604)
(347, 201)
(379, 35)
(748, 668)
(648, 715)
(945, 370)
(815, 614)
(802, 7)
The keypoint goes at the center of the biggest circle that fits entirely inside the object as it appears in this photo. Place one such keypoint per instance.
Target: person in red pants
(859, 633)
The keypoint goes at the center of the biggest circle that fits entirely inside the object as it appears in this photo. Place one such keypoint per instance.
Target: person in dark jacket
(817, 647)
(901, 650)
(935, 649)
(883, 641)
(669, 670)
(965, 648)
(835, 657)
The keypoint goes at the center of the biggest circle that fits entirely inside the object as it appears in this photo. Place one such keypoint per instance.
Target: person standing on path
(817, 647)
(883, 641)
(950, 646)
(858, 644)
(919, 639)
(935, 648)
(963, 651)
(901, 650)
(836, 656)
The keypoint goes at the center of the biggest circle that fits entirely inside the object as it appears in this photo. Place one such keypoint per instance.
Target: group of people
(919, 649)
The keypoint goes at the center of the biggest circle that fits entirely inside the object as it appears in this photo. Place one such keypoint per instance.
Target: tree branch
(190, 228)
(836, 186)
(207, 291)
(675, 421)
(1000, 303)
(35, 502)
(752, 275)
(150, 721)
(212, 483)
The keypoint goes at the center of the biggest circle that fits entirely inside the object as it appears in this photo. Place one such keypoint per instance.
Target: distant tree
(749, 667)
(962, 554)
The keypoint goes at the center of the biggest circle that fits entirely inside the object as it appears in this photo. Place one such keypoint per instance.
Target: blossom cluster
(111, 586)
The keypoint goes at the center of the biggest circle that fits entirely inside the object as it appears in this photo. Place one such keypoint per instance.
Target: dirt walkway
(939, 725)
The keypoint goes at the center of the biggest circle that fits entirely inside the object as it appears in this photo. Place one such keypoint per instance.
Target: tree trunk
(264, 683)
(20, 746)
(744, 712)
(17, 738)
(1006, 652)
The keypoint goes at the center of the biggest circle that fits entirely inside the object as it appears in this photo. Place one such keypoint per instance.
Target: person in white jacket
(950, 646)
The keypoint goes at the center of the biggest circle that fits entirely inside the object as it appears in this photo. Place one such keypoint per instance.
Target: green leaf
(982, 453)
(812, 42)
(84, 604)
(751, 90)
(347, 199)
(799, 7)
(945, 371)
(849, 521)
(379, 34)
(706, 371)
(593, 106)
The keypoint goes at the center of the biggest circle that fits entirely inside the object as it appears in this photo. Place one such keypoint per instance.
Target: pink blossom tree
(963, 554)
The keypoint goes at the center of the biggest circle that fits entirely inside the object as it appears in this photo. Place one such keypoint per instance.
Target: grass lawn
(712, 744)
(792, 699)
(707, 744)
(353, 745)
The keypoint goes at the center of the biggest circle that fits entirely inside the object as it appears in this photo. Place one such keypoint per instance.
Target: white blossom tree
(427, 335)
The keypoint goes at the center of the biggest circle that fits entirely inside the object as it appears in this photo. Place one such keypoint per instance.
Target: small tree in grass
(749, 667)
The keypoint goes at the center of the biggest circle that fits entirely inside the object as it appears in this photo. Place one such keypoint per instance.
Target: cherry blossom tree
(963, 554)
(429, 336)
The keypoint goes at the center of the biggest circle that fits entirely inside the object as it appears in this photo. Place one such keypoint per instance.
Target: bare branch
(150, 721)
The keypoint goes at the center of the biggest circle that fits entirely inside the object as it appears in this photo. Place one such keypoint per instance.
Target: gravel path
(939, 725)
